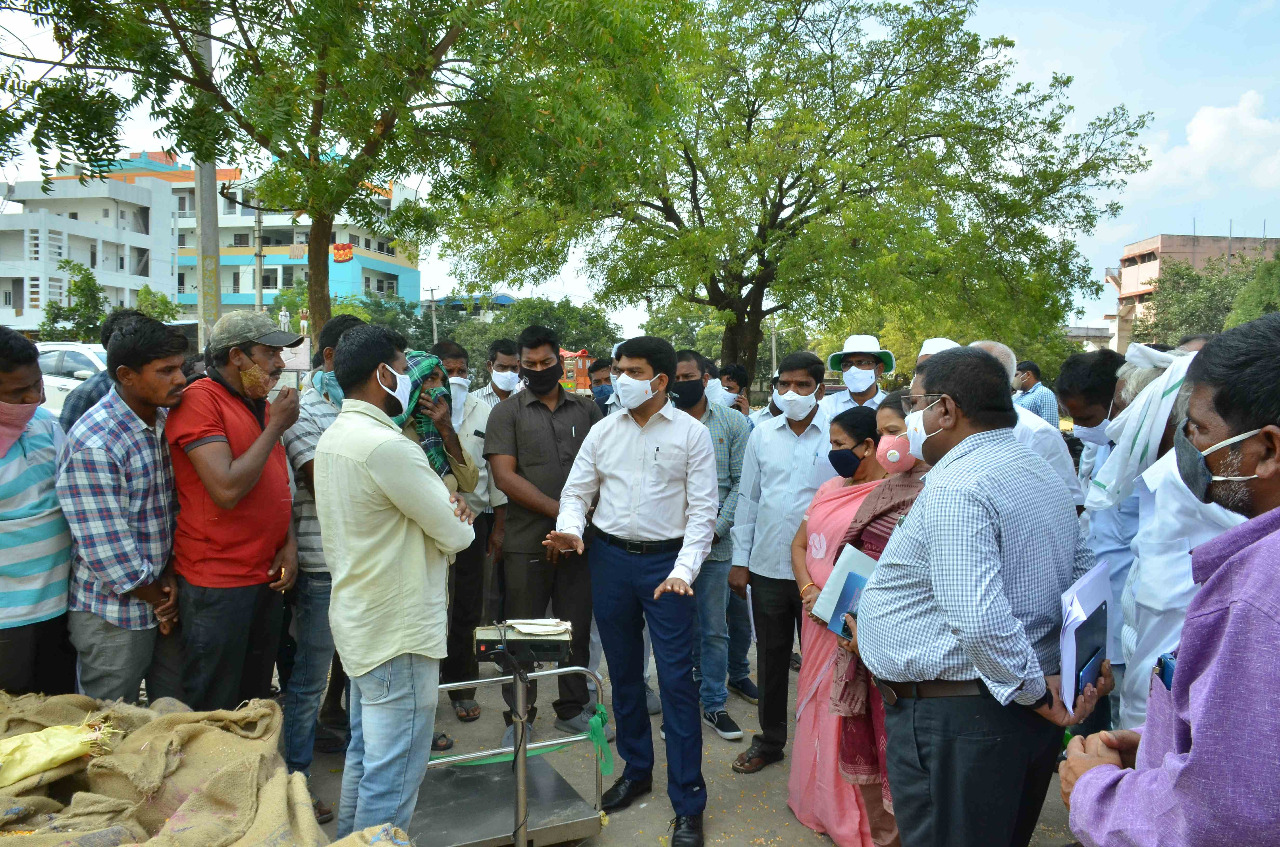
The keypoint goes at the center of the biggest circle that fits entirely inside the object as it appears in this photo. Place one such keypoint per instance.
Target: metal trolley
(472, 806)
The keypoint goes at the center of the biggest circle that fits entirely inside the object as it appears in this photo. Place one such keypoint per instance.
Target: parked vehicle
(66, 364)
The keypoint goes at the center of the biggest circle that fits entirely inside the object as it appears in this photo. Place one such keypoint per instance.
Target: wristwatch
(1046, 699)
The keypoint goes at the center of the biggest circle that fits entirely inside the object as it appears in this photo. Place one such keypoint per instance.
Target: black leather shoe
(624, 792)
(688, 831)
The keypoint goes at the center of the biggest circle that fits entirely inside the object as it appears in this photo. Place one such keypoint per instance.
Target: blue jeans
(739, 637)
(393, 714)
(310, 668)
(711, 649)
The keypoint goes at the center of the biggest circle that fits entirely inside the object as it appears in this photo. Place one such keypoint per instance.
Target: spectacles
(912, 403)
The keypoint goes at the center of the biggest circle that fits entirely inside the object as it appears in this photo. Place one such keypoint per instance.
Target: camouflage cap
(245, 326)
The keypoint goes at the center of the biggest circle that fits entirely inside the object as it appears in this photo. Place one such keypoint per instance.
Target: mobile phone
(1165, 666)
(1089, 673)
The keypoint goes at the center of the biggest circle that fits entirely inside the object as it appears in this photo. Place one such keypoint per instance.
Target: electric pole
(257, 260)
(434, 331)
(209, 288)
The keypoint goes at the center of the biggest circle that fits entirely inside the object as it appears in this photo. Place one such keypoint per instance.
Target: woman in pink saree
(837, 783)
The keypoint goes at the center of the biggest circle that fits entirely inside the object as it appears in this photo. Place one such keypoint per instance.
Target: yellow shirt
(388, 529)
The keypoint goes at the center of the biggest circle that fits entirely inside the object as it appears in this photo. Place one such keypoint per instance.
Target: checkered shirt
(115, 483)
(729, 434)
(316, 413)
(970, 584)
(83, 398)
(1041, 400)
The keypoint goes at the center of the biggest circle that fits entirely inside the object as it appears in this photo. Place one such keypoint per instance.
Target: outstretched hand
(673, 585)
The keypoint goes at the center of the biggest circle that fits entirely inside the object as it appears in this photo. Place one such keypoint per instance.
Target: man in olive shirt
(531, 441)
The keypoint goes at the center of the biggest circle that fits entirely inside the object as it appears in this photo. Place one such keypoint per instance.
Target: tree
(81, 319)
(548, 99)
(840, 159)
(1259, 296)
(1187, 301)
(687, 325)
(297, 298)
(156, 305)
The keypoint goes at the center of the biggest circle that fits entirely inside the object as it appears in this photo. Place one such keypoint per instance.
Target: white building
(124, 232)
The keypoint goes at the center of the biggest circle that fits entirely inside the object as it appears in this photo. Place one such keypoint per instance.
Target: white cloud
(1235, 144)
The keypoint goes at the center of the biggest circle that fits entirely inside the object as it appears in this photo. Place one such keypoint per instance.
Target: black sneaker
(723, 725)
(746, 689)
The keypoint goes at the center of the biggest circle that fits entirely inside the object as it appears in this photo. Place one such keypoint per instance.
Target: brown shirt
(544, 444)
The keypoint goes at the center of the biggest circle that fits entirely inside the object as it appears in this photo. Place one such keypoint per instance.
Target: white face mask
(459, 387)
(858, 380)
(633, 392)
(404, 386)
(507, 381)
(795, 406)
(1096, 434)
(916, 436)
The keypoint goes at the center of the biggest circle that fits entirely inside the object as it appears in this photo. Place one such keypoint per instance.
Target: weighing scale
(518, 802)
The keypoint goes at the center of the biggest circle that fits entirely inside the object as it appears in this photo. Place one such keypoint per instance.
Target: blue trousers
(622, 586)
(305, 691)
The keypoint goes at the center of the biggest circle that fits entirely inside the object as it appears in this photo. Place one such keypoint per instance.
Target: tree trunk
(740, 343)
(318, 304)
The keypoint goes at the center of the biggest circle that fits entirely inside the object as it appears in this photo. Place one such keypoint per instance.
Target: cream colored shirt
(475, 417)
(388, 529)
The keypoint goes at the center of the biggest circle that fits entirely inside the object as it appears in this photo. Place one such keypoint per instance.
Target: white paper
(850, 560)
(534, 626)
(1078, 602)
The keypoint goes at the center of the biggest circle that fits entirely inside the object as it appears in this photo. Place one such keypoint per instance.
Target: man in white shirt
(653, 470)
(1035, 433)
(862, 362)
(388, 528)
(785, 462)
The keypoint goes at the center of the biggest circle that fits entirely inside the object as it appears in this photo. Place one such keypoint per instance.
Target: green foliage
(1191, 302)
(156, 305)
(688, 325)
(295, 299)
(81, 319)
(852, 162)
(579, 327)
(1259, 296)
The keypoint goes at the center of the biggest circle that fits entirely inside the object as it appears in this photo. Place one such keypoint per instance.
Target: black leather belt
(892, 692)
(641, 548)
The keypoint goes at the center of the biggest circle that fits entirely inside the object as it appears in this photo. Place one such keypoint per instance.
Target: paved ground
(741, 810)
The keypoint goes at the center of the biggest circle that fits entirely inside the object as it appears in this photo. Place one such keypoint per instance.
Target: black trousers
(967, 771)
(533, 581)
(38, 658)
(230, 639)
(776, 607)
(466, 601)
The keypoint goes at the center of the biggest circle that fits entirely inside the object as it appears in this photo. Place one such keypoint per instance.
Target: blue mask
(327, 383)
(602, 393)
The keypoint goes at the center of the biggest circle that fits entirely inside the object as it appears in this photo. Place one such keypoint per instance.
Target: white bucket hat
(862, 344)
(935, 345)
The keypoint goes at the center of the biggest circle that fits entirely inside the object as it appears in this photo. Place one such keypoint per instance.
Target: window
(75, 216)
(122, 263)
(382, 286)
(235, 282)
(229, 203)
(49, 362)
(240, 239)
(366, 244)
(354, 241)
(382, 246)
(333, 238)
(106, 213)
(368, 286)
(93, 255)
(76, 365)
(8, 297)
(182, 239)
(122, 216)
(182, 202)
(391, 286)
(182, 283)
(269, 279)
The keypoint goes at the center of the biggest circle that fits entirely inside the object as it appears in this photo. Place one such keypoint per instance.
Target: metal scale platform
(496, 804)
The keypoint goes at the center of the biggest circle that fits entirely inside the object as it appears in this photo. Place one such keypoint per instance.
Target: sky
(1207, 73)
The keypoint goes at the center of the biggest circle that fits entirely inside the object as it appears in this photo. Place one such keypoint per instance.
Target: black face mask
(687, 393)
(543, 382)
(845, 462)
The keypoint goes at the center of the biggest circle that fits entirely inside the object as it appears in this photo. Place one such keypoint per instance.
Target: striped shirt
(729, 433)
(489, 396)
(315, 414)
(35, 545)
(115, 482)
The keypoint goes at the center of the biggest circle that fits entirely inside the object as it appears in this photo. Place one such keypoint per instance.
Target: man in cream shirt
(389, 529)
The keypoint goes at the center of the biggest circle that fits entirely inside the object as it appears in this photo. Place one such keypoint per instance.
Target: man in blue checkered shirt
(1036, 396)
(115, 483)
(960, 621)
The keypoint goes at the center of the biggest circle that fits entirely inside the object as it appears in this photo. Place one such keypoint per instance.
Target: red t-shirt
(215, 547)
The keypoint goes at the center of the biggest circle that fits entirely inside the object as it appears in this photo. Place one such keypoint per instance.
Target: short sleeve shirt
(544, 444)
(315, 414)
(216, 547)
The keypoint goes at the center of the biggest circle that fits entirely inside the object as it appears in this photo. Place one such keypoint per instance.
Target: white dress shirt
(836, 402)
(781, 471)
(1046, 441)
(475, 417)
(1171, 523)
(759, 415)
(655, 482)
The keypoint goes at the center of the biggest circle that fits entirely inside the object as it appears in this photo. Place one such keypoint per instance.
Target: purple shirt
(1226, 696)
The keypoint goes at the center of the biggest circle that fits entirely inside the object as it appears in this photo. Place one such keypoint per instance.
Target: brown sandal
(755, 760)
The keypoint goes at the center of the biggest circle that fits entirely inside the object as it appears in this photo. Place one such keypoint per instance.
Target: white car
(66, 364)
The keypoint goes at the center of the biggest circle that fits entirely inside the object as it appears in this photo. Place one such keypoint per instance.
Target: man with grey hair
(1036, 434)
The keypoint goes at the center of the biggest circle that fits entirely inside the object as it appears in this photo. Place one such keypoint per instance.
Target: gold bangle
(806, 586)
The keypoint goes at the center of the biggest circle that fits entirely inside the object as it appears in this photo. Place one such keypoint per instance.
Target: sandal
(466, 710)
(441, 742)
(755, 760)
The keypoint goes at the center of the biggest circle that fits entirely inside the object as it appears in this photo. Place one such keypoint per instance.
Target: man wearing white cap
(863, 363)
(932, 346)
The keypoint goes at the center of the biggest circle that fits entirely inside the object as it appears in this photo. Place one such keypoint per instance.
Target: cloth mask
(507, 381)
(602, 393)
(858, 380)
(796, 407)
(543, 382)
(1096, 434)
(845, 462)
(894, 454)
(326, 382)
(404, 386)
(916, 436)
(1193, 468)
(686, 394)
(14, 418)
(257, 383)
(633, 392)
(459, 387)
